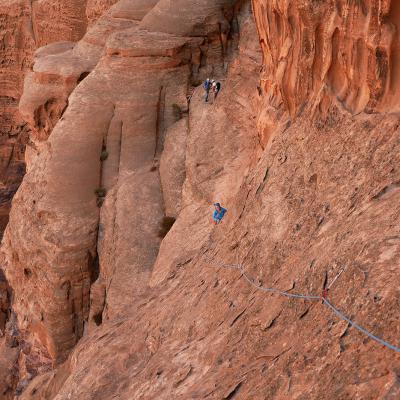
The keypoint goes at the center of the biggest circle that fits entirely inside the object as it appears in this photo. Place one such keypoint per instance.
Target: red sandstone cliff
(25, 26)
(302, 146)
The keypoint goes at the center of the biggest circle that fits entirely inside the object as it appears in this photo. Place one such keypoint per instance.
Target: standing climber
(216, 87)
(207, 87)
(219, 213)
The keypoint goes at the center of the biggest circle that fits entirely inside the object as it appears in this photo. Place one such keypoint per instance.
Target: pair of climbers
(219, 213)
(213, 86)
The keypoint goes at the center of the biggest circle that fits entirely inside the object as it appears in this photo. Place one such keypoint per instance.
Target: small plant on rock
(100, 192)
(104, 155)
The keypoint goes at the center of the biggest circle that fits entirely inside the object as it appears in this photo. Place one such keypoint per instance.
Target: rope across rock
(325, 301)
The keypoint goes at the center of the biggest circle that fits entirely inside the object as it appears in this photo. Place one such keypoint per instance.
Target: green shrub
(100, 192)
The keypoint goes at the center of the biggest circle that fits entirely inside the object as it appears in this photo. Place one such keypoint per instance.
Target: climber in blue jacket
(219, 213)
(207, 88)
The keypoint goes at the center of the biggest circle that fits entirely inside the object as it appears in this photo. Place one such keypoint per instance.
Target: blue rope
(277, 291)
(306, 297)
(360, 328)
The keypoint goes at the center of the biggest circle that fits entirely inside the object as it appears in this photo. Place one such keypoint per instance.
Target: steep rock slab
(164, 353)
(319, 205)
(322, 198)
(131, 89)
(146, 75)
(205, 332)
(172, 167)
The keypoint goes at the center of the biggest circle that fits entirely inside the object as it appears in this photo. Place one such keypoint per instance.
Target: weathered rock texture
(302, 146)
(96, 8)
(24, 26)
(328, 50)
(130, 81)
(16, 46)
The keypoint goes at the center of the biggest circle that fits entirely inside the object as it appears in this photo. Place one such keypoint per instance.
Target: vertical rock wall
(305, 159)
(16, 48)
(25, 26)
(98, 111)
(327, 51)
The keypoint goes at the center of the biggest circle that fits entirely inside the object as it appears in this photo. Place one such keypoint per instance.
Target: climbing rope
(305, 297)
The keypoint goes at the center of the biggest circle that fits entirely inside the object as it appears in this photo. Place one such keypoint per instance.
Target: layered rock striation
(26, 26)
(321, 51)
(16, 46)
(301, 146)
(133, 82)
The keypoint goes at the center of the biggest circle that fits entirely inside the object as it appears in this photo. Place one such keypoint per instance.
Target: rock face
(16, 45)
(25, 26)
(96, 8)
(118, 155)
(325, 50)
(301, 146)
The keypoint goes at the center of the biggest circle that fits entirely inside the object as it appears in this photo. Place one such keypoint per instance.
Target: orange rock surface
(26, 26)
(301, 146)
